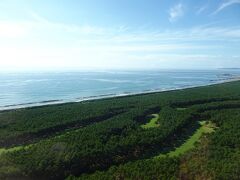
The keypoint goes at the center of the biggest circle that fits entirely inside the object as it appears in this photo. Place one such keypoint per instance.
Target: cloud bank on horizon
(107, 34)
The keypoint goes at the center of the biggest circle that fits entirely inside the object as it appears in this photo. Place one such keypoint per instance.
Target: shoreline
(108, 96)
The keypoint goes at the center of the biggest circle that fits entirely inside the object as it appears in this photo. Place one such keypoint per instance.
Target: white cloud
(59, 45)
(55, 59)
(176, 12)
(38, 18)
(225, 5)
(85, 29)
(12, 30)
(201, 9)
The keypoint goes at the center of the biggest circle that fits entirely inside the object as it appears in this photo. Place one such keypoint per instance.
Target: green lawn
(190, 143)
(152, 123)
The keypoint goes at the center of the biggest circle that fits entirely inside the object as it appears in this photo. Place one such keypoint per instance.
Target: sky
(114, 34)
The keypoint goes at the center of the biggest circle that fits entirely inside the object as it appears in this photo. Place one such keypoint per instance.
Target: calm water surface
(27, 89)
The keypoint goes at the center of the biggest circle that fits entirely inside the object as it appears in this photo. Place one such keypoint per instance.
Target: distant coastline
(107, 96)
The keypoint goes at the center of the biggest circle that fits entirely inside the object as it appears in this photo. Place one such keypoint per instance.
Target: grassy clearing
(181, 109)
(206, 127)
(3, 150)
(152, 123)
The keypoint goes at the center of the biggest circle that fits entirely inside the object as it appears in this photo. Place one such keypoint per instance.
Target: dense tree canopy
(104, 139)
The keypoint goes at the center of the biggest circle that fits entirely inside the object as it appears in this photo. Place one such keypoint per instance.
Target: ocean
(33, 89)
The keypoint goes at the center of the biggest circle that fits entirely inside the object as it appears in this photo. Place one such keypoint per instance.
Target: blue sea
(40, 88)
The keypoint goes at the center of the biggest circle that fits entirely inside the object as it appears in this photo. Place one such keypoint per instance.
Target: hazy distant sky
(119, 34)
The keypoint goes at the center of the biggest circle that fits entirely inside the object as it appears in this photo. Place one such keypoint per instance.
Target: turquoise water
(29, 89)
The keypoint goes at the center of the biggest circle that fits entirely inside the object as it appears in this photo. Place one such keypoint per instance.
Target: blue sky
(113, 34)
